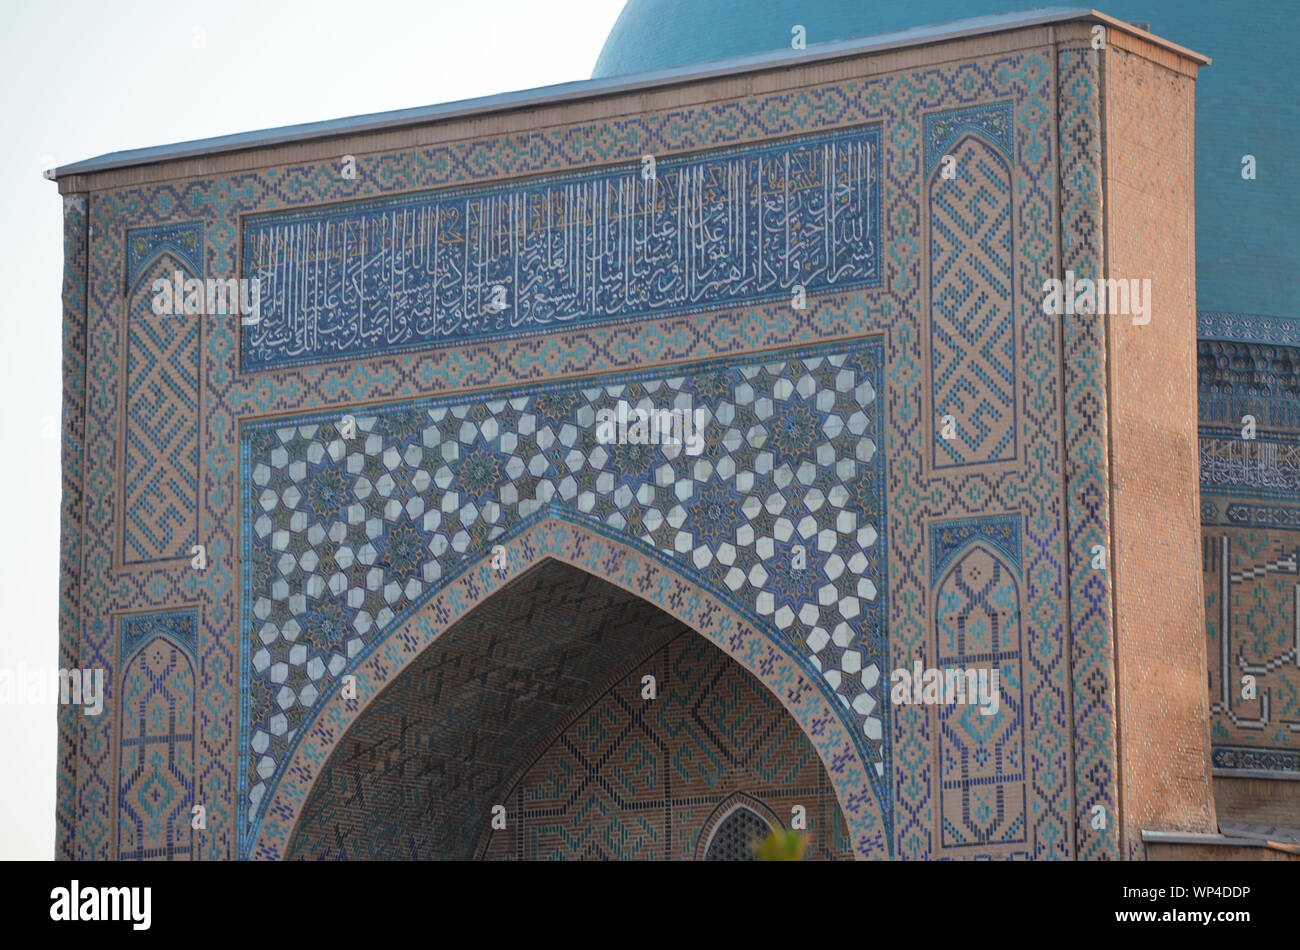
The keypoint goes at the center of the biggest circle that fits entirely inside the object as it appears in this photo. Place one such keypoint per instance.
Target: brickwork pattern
(1087, 467)
(630, 778)
(1161, 660)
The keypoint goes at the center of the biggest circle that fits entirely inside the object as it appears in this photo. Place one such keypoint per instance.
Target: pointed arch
(146, 249)
(736, 819)
(627, 564)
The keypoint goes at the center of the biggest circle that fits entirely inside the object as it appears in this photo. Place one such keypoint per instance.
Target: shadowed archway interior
(533, 701)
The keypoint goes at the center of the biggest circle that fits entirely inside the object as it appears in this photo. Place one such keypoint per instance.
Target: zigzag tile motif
(1087, 468)
(72, 431)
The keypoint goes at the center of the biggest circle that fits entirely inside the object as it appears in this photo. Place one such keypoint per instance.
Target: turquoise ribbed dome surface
(1248, 232)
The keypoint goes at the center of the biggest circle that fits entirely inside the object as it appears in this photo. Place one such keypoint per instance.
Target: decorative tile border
(1231, 760)
(1087, 469)
(1216, 511)
(71, 521)
(1260, 468)
(1247, 328)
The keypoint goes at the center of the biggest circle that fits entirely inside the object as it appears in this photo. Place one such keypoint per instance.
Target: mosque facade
(857, 428)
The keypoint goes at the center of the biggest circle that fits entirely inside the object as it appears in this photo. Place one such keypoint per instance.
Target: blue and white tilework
(347, 536)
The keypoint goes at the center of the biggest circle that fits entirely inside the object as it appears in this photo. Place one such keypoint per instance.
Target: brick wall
(1160, 648)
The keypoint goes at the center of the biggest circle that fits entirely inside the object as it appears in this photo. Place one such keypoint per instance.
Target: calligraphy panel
(721, 228)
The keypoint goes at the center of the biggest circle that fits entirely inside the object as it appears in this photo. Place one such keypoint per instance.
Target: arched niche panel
(158, 740)
(981, 737)
(972, 332)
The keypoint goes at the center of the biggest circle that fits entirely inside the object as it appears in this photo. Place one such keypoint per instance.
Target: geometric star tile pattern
(351, 524)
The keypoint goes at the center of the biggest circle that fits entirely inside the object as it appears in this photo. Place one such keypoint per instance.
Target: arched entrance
(805, 699)
(580, 720)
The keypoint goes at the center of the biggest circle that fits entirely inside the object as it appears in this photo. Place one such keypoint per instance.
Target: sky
(80, 79)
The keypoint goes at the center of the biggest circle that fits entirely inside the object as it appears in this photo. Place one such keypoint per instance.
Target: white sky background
(79, 79)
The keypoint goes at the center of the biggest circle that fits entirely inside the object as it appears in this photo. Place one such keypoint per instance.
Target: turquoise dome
(1247, 232)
